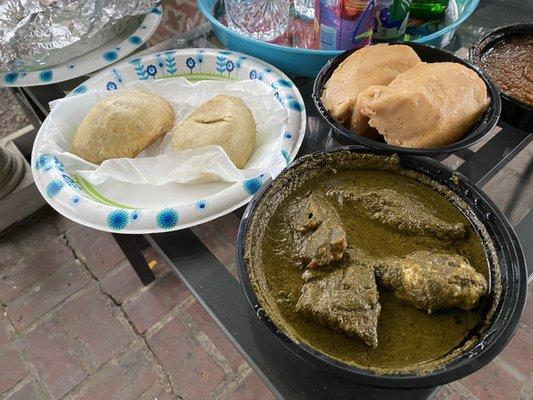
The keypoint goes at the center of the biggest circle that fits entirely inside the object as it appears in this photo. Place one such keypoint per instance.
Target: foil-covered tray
(41, 33)
(138, 30)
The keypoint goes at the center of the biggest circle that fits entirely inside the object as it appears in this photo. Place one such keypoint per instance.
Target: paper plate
(133, 36)
(80, 202)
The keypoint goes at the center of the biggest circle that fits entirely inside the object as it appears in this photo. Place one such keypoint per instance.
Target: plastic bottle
(428, 9)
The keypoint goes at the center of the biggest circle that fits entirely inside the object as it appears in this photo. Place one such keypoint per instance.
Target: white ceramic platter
(136, 33)
(198, 203)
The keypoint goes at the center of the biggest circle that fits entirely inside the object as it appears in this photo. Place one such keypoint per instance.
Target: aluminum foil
(38, 33)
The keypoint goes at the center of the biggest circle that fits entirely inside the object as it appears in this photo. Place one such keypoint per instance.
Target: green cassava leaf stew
(372, 264)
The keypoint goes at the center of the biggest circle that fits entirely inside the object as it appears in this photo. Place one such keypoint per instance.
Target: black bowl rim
(440, 376)
(479, 132)
(488, 40)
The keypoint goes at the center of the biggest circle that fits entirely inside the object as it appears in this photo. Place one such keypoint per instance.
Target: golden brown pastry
(122, 125)
(372, 65)
(430, 105)
(223, 120)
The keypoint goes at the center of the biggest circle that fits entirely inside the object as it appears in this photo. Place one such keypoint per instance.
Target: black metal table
(219, 292)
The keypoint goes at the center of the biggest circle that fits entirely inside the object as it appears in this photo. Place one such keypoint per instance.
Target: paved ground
(12, 116)
(76, 323)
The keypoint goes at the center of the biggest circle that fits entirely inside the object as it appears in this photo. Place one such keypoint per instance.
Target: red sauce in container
(510, 65)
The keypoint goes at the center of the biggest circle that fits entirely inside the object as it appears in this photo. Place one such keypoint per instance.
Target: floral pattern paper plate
(136, 33)
(78, 200)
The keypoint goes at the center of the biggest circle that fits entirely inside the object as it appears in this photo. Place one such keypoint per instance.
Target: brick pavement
(76, 323)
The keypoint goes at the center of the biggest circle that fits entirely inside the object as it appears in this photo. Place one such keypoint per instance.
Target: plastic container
(429, 54)
(511, 264)
(305, 62)
(515, 112)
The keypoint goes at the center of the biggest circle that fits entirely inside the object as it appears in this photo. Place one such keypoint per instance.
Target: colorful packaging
(392, 16)
(344, 24)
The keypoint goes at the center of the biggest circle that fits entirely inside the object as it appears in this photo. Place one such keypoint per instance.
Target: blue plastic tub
(304, 62)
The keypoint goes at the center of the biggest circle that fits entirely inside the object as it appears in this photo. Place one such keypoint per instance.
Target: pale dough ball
(429, 105)
(371, 65)
(122, 125)
(223, 120)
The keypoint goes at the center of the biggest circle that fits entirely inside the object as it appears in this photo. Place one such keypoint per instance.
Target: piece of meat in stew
(318, 233)
(345, 299)
(432, 281)
(398, 211)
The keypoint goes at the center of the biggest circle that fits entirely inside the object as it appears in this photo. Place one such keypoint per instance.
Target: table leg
(132, 251)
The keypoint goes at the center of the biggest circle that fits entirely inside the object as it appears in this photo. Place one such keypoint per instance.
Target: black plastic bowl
(510, 263)
(428, 54)
(515, 112)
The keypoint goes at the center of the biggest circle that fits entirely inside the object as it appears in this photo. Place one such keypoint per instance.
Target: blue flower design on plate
(221, 62)
(190, 63)
(251, 186)
(11, 77)
(289, 102)
(117, 220)
(200, 205)
(288, 135)
(286, 156)
(281, 83)
(136, 40)
(139, 69)
(75, 200)
(71, 182)
(46, 75)
(151, 70)
(294, 104)
(170, 62)
(80, 89)
(135, 216)
(58, 164)
(167, 218)
(239, 62)
(253, 74)
(54, 187)
(110, 55)
(111, 86)
(117, 75)
(230, 66)
(44, 162)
